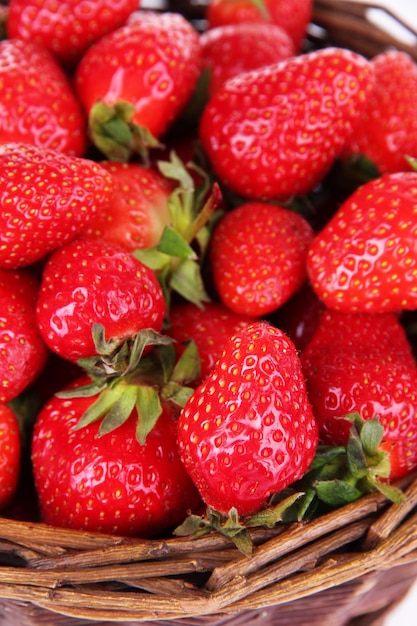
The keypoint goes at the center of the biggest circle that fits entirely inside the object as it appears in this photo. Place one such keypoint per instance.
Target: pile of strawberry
(208, 267)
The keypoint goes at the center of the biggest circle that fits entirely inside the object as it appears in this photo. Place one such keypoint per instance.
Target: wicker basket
(350, 566)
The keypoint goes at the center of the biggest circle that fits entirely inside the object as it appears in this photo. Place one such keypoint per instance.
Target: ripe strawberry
(364, 258)
(275, 132)
(248, 430)
(46, 198)
(387, 130)
(109, 482)
(209, 327)
(135, 81)
(291, 15)
(138, 210)
(90, 282)
(257, 257)
(10, 454)
(361, 362)
(23, 351)
(232, 49)
(66, 29)
(38, 103)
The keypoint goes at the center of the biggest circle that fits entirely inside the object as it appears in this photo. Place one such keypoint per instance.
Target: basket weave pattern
(349, 566)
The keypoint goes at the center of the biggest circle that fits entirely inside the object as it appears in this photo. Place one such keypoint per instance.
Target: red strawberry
(23, 351)
(139, 77)
(66, 29)
(38, 103)
(248, 430)
(276, 131)
(10, 454)
(387, 131)
(138, 210)
(232, 49)
(363, 363)
(91, 282)
(209, 327)
(364, 258)
(108, 483)
(257, 257)
(291, 15)
(46, 198)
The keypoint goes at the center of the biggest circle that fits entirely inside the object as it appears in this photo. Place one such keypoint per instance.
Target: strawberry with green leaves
(46, 199)
(387, 130)
(248, 430)
(23, 351)
(91, 282)
(39, 105)
(235, 48)
(10, 454)
(362, 363)
(135, 81)
(275, 132)
(257, 257)
(138, 211)
(293, 16)
(364, 259)
(66, 29)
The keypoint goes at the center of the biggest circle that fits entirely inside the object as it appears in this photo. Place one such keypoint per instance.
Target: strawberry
(248, 430)
(257, 257)
(22, 348)
(210, 327)
(46, 199)
(66, 29)
(38, 103)
(275, 132)
(10, 454)
(108, 482)
(90, 282)
(134, 82)
(232, 49)
(364, 258)
(387, 130)
(138, 210)
(362, 362)
(293, 16)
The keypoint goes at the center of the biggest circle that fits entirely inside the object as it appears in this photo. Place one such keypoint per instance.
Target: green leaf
(270, 516)
(173, 244)
(337, 492)
(187, 281)
(356, 458)
(188, 366)
(101, 406)
(371, 436)
(149, 409)
(120, 411)
(152, 258)
(177, 393)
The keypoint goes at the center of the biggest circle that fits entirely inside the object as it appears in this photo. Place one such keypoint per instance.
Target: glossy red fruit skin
(39, 105)
(88, 282)
(360, 362)
(111, 483)
(46, 198)
(257, 257)
(69, 28)
(22, 349)
(248, 430)
(387, 131)
(364, 259)
(210, 328)
(10, 454)
(160, 85)
(272, 133)
(232, 49)
(138, 211)
(291, 15)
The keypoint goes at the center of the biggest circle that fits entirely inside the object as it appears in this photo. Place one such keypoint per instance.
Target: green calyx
(114, 133)
(141, 373)
(178, 257)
